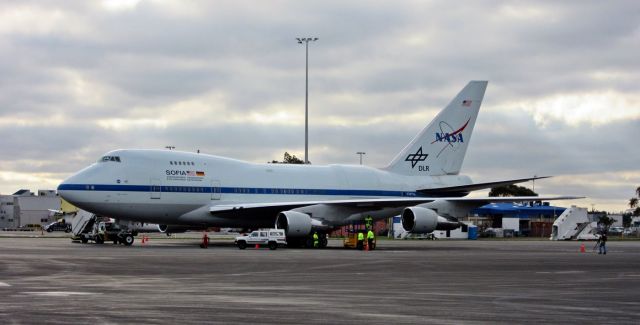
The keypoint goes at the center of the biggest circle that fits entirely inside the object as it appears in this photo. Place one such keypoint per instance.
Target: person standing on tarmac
(316, 242)
(370, 237)
(360, 240)
(602, 241)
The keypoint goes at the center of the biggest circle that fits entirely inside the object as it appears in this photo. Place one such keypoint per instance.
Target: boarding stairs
(82, 223)
(579, 229)
(588, 232)
(573, 224)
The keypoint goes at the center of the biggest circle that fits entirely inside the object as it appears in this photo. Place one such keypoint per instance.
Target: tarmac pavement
(173, 281)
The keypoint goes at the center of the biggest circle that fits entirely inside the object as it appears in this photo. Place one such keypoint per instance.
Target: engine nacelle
(419, 220)
(422, 220)
(176, 229)
(295, 224)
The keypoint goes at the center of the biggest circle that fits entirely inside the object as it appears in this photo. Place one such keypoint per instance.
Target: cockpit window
(110, 158)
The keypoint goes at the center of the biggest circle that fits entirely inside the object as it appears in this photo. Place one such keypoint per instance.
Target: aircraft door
(215, 190)
(156, 188)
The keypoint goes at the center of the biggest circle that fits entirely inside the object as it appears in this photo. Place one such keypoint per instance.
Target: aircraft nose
(71, 188)
(65, 190)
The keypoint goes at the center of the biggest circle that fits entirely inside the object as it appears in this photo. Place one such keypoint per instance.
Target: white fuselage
(165, 187)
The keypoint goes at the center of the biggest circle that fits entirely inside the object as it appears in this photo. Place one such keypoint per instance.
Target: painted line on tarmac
(4, 284)
(59, 293)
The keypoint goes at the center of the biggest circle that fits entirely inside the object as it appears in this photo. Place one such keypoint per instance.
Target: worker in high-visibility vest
(368, 221)
(360, 240)
(316, 242)
(370, 237)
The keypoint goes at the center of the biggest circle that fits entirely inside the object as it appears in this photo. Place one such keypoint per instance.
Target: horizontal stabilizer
(462, 190)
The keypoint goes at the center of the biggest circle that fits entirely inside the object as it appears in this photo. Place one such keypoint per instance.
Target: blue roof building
(517, 210)
(534, 219)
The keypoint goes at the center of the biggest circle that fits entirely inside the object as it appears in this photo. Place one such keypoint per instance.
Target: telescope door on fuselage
(156, 188)
(215, 190)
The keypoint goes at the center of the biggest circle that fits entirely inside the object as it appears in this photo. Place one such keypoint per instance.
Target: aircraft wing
(462, 190)
(273, 208)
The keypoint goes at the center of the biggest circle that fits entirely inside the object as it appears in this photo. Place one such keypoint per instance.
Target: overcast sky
(80, 78)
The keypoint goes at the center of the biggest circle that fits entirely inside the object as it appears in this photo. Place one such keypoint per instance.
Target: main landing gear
(308, 241)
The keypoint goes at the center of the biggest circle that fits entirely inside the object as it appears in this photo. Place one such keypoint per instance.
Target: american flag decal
(466, 103)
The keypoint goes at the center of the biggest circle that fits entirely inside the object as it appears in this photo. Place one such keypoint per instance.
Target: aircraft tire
(323, 242)
(128, 240)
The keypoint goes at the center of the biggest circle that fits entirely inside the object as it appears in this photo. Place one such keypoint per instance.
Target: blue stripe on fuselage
(230, 190)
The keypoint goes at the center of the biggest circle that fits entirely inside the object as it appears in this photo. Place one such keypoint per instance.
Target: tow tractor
(351, 238)
(107, 230)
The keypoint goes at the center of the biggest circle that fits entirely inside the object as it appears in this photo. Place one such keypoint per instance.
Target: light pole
(361, 153)
(306, 41)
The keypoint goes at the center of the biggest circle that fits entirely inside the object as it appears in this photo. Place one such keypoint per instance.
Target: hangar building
(535, 219)
(26, 208)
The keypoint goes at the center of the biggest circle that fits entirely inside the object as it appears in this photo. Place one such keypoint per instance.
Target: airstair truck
(574, 224)
(89, 227)
(108, 230)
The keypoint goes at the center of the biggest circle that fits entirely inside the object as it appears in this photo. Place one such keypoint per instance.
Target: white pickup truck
(269, 237)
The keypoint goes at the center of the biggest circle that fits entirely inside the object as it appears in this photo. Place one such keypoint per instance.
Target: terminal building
(24, 208)
(533, 219)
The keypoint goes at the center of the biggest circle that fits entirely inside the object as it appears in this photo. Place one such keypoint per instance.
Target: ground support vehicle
(351, 241)
(58, 226)
(351, 238)
(308, 241)
(266, 237)
(104, 231)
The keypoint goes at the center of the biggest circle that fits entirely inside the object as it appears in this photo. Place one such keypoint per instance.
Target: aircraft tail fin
(440, 147)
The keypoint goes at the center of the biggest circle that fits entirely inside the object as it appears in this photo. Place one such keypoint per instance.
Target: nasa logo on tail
(449, 136)
(417, 157)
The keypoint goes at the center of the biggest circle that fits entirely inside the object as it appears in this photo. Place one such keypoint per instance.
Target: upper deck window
(110, 158)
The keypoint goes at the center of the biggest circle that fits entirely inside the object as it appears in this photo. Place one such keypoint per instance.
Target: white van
(269, 237)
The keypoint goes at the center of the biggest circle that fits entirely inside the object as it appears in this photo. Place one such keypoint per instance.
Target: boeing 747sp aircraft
(182, 190)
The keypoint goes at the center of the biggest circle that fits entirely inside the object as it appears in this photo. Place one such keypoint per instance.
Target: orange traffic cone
(582, 249)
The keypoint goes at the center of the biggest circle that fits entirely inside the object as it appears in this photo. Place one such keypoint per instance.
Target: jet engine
(176, 229)
(422, 220)
(295, 224)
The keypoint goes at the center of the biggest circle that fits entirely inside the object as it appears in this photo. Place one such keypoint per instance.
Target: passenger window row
(185, 163)
(185, 189)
